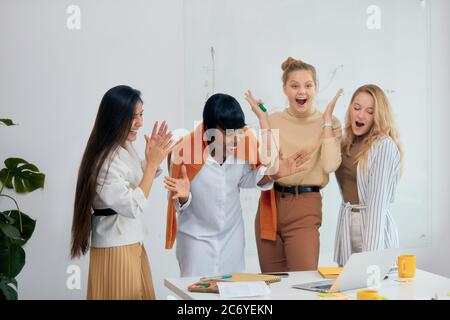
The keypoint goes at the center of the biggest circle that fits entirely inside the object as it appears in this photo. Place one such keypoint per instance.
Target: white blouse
(210, 238)
(118, 189)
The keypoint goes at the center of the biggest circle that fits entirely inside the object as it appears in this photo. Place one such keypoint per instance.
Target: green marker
(261, 106)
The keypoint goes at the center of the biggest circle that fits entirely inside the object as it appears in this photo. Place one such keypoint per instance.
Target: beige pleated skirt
(120, 273)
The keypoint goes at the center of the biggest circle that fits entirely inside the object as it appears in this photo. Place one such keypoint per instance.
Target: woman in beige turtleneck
(295, 245)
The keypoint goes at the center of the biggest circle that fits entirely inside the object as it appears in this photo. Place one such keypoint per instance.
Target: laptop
(357, 272)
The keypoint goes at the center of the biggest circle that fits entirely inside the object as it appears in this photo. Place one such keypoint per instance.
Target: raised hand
(158, 145)
(180, 187)
(328, 114)
(254, 104)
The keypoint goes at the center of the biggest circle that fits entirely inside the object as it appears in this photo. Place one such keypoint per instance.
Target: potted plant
(16, 227)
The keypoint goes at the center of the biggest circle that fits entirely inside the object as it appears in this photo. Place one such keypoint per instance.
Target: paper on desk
(243, 289)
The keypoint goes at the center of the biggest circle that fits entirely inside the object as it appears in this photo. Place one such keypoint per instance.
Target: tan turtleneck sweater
(304, 131)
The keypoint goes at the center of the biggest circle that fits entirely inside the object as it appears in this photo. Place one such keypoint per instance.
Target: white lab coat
(118, 189)
(210, 238)
(376, 191)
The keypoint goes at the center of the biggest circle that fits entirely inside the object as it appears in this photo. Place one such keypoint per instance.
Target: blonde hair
(291, 64)
(384, 125)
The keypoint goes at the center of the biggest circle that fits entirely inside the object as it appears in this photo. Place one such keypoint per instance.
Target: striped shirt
(376, 191)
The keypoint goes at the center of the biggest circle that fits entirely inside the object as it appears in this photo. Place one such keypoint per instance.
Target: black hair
(111, 128)
(224, 112)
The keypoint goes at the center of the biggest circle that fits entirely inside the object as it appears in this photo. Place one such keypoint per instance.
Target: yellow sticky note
(325, 295)
(405, 280)
(336, 296)
(332, 272)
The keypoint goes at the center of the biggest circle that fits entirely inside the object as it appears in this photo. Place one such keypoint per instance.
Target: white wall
(250, 44)
(51, 83)
(436, 258)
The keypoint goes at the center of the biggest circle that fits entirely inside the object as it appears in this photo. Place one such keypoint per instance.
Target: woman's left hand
(158, 145)
(328, 114)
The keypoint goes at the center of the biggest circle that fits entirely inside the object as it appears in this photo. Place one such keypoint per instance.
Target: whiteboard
(234, 45)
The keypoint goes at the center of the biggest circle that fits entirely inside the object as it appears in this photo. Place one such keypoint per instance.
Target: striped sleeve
(384, 172)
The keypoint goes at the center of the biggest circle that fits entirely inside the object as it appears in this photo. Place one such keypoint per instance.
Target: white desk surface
(423, 287)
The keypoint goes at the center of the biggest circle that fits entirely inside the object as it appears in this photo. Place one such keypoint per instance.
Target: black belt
(104, 212)
(295, 190)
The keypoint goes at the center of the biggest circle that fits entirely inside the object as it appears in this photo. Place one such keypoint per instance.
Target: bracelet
(328, 124)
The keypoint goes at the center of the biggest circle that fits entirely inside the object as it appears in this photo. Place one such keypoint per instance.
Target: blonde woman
(368, 176)
(289, 239)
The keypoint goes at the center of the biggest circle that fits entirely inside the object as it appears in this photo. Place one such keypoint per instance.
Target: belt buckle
(299, 188)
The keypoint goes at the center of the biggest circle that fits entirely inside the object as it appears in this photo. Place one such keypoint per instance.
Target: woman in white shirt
(210, 235)
(111, 195)
(368, 175)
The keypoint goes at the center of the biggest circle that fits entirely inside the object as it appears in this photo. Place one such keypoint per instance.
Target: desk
(423, 287)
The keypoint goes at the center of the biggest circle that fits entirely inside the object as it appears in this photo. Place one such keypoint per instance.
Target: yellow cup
(407, 266)
(368, 295)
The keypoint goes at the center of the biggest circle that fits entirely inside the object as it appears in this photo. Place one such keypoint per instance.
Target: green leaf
(8, 292)
(12, 281)
(8, 122)
(5, 218)
(10, 231)
(24, 176)
(12, 259)
(28, 225)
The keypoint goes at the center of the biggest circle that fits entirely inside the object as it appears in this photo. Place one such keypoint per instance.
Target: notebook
(329, 272)
(209, 284)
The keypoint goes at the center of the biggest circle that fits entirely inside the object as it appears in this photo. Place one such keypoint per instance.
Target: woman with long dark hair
(111, 194)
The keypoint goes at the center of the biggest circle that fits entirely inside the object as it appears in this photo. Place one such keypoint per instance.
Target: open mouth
(301, 102)
(133, 131)
(359, 124)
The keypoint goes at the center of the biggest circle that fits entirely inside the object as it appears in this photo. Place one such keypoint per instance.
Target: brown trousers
(120, 273)
(297, 245)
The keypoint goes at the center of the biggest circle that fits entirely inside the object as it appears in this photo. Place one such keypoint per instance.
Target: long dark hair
(111, 128)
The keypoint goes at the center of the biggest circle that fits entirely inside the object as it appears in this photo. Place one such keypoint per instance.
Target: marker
(280, 274)
(218, 278)
(261, 106)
